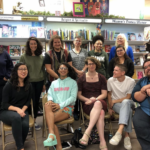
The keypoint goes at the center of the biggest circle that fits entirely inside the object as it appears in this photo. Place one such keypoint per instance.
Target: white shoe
(115, 139)
(127, 143)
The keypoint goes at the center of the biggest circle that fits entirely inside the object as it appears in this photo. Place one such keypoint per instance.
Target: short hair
(125, 41)
(52, 39)
(146, 60)
(78, 37)
(94, 60)
(39, 47)
(98, 37)
(122, 67)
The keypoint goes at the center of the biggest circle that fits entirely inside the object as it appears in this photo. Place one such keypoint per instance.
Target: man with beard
(141, 119)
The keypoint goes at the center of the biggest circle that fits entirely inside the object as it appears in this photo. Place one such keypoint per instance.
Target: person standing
(6, 66)
(78, 55)
(121, 58)
(54, 57)
(100, 55)
(34, 61)
(141, 118)
(121, 40)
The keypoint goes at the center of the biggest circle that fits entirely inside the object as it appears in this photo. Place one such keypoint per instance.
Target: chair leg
(43, 128)
(34, 134)
(110, 127)
(3, 136)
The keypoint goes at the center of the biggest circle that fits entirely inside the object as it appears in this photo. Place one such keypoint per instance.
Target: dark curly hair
(94, 60)
(14, 77)
(98, 37)
(117, 58)
(52, 39)
(39, 47)
(71, 72)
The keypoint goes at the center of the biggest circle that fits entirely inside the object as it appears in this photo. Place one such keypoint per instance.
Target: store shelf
(15, 57)
(138, 66)
(18, 39)
(140, 53)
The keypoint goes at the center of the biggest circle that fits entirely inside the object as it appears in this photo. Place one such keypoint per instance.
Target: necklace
(92, 77)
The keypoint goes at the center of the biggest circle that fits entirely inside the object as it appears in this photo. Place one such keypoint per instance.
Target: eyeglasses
(78, 41)
(91, 64)
(63, 68)
(22, 69)
(119, 51)
(145, 67)
(119, 39)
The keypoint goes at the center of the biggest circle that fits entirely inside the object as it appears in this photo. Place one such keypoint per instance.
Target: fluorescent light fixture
(3, 17)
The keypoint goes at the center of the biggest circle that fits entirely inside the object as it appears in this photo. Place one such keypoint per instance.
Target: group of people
(72, 76)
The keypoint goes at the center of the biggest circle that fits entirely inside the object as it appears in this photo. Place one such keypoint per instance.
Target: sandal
(49, 141)
(82, 140)
(102, 147)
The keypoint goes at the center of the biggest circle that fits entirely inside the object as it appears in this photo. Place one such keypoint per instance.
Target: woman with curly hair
(100, 55)
(34, 61)
(61, 100)
(121, 58)
(15, 101)
(92, 91)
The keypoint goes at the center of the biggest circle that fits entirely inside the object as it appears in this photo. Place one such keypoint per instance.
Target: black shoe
(76, 117)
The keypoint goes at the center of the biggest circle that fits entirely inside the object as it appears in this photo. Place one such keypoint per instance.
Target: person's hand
(89, 102)
(5, 79)
(44, 88)
(21, 112)
(55, 106)
(144, 88)
(93, 99)
(112, 104)
(80, 73)
(49, 103)
(148, 92)
(111, 111)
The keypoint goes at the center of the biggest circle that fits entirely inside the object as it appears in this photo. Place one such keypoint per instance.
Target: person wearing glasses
(16, 99)
(35, 62)
(92, 91)
(61, 100)
(100, 55)
(141, 118)
(121, 40)
(78, 55)
(121, 58)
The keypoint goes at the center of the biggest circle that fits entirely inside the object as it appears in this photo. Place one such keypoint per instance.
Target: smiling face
(33, 45)
(22, 72)
(77, 42)
(120, 52)
(91, 66)
(120, 40)
(57, 44)
(63, 71)
(147, 69)
(98, 45)
(117, 73)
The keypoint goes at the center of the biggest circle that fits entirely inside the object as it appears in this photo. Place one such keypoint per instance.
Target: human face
(77, 42)
(147, 69)
(120, 40)
(98, 45)
(91, 66)
(117, 73)
(63, 71)
(33, 45)
(22, 72)
(57, 44)
(120, 52)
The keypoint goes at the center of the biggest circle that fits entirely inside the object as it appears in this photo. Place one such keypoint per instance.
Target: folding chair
(9, 128)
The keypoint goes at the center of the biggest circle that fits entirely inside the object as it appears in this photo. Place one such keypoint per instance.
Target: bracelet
(82, 70)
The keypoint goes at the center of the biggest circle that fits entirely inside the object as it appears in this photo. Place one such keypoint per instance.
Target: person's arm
(69, 60)
(106, 66)
(50, 93)
(130, 53)
(111, 67)
(121, 99)
(84, 68)
(81, 97)
(109, 99)
(103, 95)
(72, 98)
(130, 67)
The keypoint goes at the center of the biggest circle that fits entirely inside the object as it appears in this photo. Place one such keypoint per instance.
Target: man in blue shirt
(141, 119)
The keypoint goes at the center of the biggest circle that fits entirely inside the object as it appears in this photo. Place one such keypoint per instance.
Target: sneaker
(37, 127)
(115, 139)
(127, 143)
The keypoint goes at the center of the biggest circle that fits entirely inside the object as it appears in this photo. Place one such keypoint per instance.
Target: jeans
(141, 122)
(124, 109)
(20, 126)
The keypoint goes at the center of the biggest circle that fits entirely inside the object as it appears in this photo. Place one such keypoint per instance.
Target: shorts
(69, 109)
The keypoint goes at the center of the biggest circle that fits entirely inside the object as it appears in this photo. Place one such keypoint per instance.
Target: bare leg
(94, 116)
(121, 127)
(100, 128)
(126, 134)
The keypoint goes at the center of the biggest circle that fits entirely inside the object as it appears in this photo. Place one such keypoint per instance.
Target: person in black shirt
(121, 58)
(54, 57)
(16, 98)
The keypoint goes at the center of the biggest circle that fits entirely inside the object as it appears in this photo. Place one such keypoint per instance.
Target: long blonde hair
(125, 41)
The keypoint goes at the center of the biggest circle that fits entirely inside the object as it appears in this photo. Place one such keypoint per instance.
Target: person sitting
(119, 98)
(16, 98)
(61, 100)
(92, 91)
(121, 58)
(141, 118)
